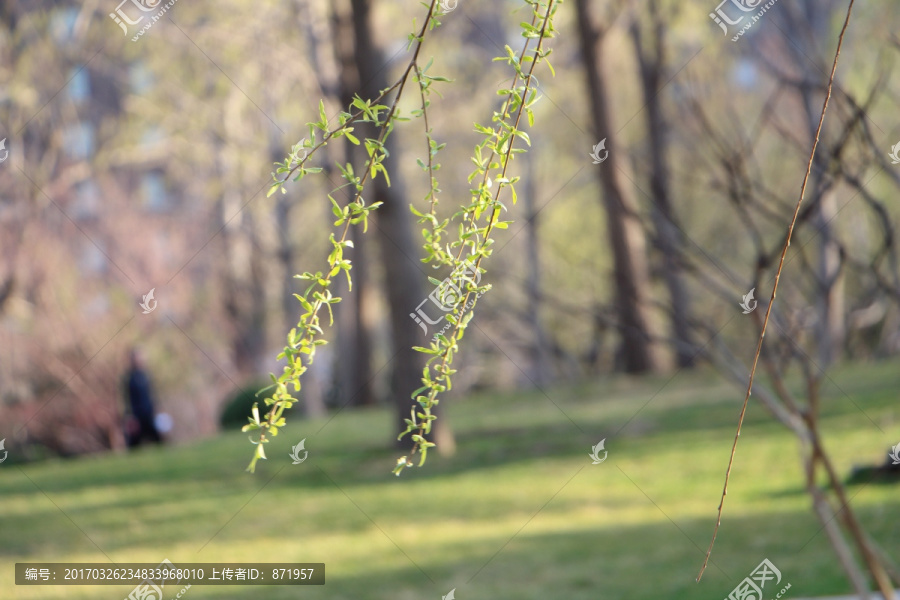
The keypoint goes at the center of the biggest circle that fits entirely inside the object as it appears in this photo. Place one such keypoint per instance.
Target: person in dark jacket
(142, 424)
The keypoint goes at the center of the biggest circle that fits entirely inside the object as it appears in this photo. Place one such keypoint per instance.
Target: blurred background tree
(144, 165)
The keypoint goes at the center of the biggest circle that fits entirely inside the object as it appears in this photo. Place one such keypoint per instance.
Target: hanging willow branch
(477, 221)
(492, 158)
(303, 340)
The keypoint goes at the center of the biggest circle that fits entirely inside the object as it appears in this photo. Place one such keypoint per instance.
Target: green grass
(519, 512)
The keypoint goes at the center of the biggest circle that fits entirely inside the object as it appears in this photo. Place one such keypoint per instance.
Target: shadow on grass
(638, 562)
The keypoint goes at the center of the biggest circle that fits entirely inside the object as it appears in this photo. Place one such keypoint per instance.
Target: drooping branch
(308, 335)
(466, 275)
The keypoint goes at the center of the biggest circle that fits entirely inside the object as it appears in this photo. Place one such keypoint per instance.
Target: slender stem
(787, 243)
(432, 196)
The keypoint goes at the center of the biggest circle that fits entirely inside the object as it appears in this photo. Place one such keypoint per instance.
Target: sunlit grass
(519, 512)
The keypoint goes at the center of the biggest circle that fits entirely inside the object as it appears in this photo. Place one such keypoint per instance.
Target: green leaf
(323, 118)
(335, 208)
(401, 464)
(549, 66)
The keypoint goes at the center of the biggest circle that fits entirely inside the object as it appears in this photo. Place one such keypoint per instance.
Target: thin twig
(787, 243)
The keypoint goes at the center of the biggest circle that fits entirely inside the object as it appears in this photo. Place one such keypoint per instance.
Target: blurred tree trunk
(244, 276)
(651, 65)
(314, 389)
(809, 22)
(353, 385)
(541, 359)
(399, 250)
(626, 234)
(830, 330)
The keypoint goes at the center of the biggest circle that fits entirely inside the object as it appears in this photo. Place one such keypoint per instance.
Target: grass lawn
(519, 512)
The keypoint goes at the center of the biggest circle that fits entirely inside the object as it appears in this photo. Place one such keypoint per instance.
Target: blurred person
(141, 423)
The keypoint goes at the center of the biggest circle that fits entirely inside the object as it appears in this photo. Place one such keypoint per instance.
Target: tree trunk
(354, 385)
(651, 65)
(631, 277)
(244, 277)
(314, 388)
(541, 359)
(810, 21)
(399, 251)
(830, 331)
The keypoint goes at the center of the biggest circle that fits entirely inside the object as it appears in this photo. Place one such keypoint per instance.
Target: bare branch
(787, 243)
